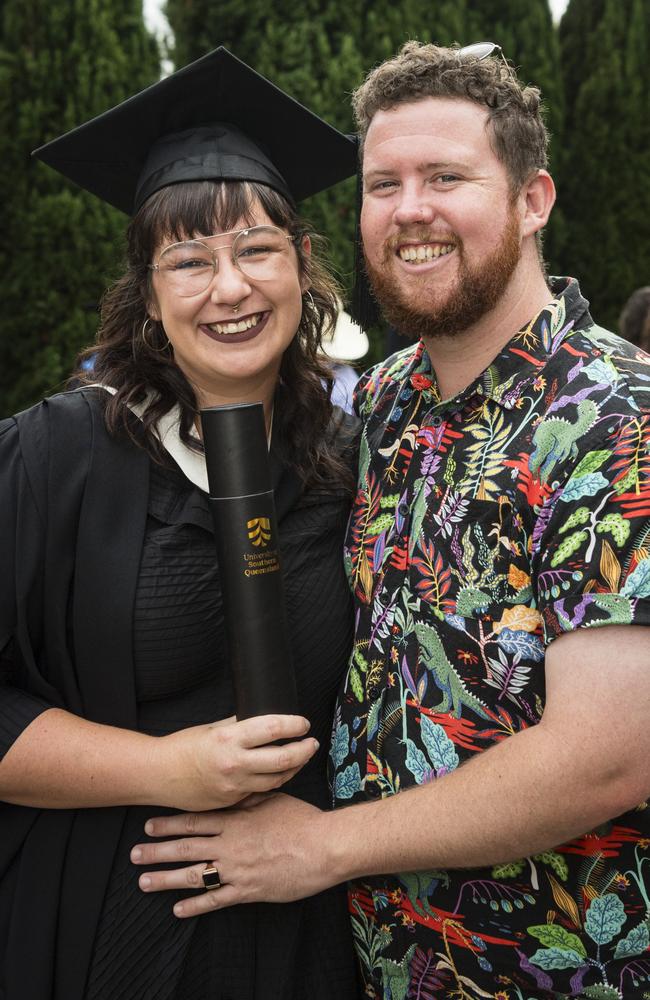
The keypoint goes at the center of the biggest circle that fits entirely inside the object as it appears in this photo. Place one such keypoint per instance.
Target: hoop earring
(143, 335)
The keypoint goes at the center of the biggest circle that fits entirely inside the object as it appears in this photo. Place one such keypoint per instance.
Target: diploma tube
(246, 534)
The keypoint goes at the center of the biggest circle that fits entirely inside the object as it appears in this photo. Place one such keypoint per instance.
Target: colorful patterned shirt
(484, 527)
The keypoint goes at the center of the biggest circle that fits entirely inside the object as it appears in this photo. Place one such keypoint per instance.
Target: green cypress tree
(60, 64)
(524, 30)
(604, 187)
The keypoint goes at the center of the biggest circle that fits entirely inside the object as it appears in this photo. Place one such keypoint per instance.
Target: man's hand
(266, 850)
(584, 763)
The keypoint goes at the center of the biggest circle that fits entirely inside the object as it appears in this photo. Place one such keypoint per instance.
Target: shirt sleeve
(591, 543)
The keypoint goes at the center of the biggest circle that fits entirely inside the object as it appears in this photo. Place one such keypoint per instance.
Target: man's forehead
(456, 126)
(428, 114)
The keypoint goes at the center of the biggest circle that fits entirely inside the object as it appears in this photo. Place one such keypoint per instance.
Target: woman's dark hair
(142, 370)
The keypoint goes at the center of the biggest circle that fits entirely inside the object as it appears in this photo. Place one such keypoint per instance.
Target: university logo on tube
(259, 531)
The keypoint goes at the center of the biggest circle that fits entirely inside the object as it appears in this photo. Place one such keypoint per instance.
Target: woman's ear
(305, 246)
(153, 312)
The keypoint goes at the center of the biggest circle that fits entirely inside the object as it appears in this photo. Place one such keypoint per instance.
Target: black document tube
(246, 533)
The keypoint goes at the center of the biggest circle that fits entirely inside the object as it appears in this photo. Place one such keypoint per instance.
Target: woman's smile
(236, 331)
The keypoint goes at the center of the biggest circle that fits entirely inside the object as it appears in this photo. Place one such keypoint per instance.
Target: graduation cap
(216, 119)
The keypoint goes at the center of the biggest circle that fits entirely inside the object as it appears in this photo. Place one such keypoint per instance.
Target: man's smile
(419, 253)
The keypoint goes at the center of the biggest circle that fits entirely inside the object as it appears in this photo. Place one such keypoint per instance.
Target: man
(499, 550)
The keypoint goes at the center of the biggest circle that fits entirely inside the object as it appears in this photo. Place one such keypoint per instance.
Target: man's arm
(586, 762)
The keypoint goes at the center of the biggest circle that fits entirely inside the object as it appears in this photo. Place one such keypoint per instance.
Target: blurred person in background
(634, 321)
(345, 343)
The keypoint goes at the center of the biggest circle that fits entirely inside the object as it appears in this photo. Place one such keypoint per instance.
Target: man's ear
(538, 199)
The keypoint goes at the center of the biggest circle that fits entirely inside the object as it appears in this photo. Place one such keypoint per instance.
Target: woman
(115, 697)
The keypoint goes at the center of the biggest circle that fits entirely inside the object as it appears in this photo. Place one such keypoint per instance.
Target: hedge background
(63, 61)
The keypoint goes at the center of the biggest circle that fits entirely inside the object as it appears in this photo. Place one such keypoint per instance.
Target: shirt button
(403, 509)
(436, 421)
(374, 691)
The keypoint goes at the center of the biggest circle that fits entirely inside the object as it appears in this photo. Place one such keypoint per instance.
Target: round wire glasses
(188, 268)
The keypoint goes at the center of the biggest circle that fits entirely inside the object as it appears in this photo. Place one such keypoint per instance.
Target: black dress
(291, 951)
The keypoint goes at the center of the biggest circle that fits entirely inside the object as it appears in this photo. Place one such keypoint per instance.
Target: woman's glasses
(188, 268)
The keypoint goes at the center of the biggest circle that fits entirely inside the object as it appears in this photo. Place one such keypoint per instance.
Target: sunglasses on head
(483, 50)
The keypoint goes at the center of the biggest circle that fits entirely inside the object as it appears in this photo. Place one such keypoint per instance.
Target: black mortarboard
(214, 119)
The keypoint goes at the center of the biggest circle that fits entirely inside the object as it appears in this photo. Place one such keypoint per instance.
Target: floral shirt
(484, 527)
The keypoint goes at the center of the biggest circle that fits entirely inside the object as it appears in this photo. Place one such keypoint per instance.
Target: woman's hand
(217, 765)
(266, 851)
(61, 761)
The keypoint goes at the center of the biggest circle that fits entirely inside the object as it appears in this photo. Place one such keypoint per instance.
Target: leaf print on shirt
(638, 582)
(348, 782)
(509, 675)
(340, 745)
(557, 958)
(364, 513)
(519, 618)
(439, 747)
(485, 457)
(442, 757)
(522, 643)
(636, 942)
(435, 579)
(555, 936)
(605, 917)
(583, 486)
(452, 510)
(633, 465)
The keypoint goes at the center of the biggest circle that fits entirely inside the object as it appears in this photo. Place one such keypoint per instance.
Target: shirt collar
(192, 463)
(523, 357)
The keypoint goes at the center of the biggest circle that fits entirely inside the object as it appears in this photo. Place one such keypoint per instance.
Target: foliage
(64, 61)
(61, 62)
(604, 181)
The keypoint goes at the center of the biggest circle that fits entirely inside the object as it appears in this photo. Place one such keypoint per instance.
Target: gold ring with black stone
(211, 878)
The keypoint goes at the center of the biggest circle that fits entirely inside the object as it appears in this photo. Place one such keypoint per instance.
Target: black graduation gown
(71, 533)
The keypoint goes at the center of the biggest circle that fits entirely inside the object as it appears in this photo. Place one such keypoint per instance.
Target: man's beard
(476, 291)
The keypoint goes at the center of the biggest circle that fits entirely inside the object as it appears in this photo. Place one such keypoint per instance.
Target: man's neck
(460, 359)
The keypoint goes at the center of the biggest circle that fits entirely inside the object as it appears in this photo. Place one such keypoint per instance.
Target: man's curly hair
(515, 113)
